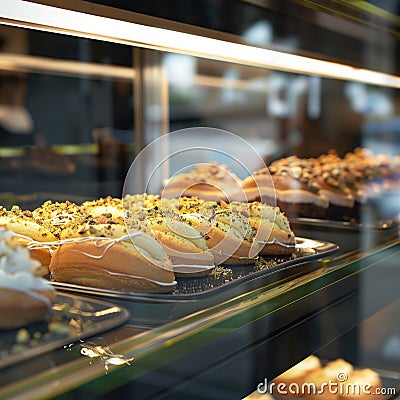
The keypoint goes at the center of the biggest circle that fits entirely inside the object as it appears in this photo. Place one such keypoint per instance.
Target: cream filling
(22, 280)
(277, 242)
(16, 269)
(230, 230)
(60, 219)
(96, 211)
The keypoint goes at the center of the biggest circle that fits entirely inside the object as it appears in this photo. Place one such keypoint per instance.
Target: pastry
(320, 379)
(185, 246)
(25, 298)
(209, 181)
(27, 228)
(297, 375)
(361, 384)
(95, 249)
(258, 396)
(272, 227)
(328, 186)
(135, 262)
(234, 232)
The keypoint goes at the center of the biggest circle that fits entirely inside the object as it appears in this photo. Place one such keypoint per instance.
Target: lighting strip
(52, 19)
(24, 63)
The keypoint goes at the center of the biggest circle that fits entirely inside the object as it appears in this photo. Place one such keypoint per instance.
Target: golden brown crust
(367, 380)
(226, 249)
(298, 373)
(187, 260)
(19, 308)
(210, 181)
(330, 373)
(121, 267)
(279, 242)
(41, 254)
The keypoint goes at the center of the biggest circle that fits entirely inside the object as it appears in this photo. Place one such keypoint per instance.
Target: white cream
(197, 267)
(16, 269)
(173, 283)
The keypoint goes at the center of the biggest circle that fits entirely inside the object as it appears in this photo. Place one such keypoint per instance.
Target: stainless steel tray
(221, 278)
(73, 318)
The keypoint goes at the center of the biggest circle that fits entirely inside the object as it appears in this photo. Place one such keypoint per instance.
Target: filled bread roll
(297, 375)
(209, 181)
(332, 372)
(28, 228)
(228, 234)
(137, 264)
(272, 226)
(23, 223)
(185, 246)
(361, 384)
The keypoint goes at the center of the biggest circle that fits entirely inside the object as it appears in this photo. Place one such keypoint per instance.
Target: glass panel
(66, 120)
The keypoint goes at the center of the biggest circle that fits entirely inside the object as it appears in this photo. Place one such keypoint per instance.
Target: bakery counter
(197, 347)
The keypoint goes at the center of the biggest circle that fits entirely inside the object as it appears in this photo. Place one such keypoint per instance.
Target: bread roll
(184, 245)
(272, 227)
(141, 266)
(361, 384)
(332, 372)
(23, 223)
(20, 308)
(211, 182)
(297, 375)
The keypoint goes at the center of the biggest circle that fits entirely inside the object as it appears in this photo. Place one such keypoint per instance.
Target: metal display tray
(221, 278)
(72, 319)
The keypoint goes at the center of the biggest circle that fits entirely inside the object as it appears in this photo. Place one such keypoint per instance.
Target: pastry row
(311, 380)
(142, 242)
(327, 186)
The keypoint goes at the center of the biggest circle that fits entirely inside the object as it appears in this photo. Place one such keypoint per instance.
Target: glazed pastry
(96, 250)
(258, 396)
(272, 227)
(328, 186)
(298, 374)
(332, 372)
(27, 228)
(245, 230)
(185, 246)
(25, 298)
(361, 384)
(226, 235)
(211, 181)
(135, 262)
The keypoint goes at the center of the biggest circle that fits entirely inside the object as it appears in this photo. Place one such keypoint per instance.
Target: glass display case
(85, 87)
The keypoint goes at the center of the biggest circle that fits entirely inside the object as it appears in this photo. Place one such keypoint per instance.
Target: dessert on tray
(328, 187)
(210, 181)
(25, 297)
(142, 242)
